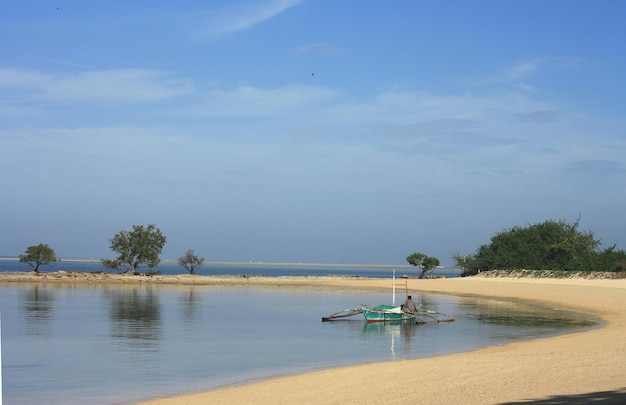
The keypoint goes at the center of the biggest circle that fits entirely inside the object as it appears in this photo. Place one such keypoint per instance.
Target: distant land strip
(261, 263)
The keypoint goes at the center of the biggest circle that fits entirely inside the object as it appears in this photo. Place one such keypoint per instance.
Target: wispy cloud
(248, 101)
(129, 85)
(122, 86)
(15, 79)
(234, 19)
(522, 69)
(520, 75)
(536, 117)
(598, 167)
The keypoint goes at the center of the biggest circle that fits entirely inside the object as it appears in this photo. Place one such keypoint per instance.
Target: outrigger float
(389, 313)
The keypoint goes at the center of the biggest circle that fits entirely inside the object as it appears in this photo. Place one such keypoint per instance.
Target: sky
(309, 130)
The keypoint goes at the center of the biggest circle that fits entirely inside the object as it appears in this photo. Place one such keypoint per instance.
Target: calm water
(117, 344)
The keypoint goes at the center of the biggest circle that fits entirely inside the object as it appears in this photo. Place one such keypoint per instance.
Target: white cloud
(487, 132)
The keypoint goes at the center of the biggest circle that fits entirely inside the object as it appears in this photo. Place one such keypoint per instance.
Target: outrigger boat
(383, 313)
(389, 313)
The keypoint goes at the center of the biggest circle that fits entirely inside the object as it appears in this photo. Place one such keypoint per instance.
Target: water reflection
(37, 305)
(135, 317)
(508, 318)
(534, 320)
(190, 302)
(399, 334)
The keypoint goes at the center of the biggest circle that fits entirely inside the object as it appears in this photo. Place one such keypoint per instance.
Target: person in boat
(409, 305)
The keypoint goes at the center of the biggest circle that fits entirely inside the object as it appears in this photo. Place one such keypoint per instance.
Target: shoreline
(239, 263)
(577, 367)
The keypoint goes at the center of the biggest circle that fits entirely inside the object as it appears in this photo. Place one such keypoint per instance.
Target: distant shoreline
(252, 263)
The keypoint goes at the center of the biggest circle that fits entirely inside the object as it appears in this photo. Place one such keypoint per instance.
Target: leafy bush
(550, 245)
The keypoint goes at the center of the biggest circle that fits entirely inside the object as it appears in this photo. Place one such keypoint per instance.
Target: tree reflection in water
(189, 303)
(135, 317)
(37, 304)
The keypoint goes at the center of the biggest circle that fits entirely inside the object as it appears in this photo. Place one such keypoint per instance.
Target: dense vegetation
(550, 245)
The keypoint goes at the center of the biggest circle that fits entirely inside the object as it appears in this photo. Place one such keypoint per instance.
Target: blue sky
(313, 131)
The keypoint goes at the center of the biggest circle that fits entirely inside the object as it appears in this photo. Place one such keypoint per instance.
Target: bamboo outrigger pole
(341, 314)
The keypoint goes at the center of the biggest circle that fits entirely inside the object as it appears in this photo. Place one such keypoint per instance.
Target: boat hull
(386, 313)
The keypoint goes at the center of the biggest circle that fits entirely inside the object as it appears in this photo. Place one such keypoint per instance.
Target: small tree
(190, 261)
(422, 262)
(39, 255)
(142, 245)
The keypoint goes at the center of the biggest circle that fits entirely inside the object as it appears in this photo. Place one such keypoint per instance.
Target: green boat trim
(384, 313)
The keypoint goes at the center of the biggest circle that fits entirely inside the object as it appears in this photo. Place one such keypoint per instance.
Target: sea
(171, 267)
(119, 344)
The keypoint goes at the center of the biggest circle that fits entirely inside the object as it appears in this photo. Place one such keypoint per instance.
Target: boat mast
(393, 299)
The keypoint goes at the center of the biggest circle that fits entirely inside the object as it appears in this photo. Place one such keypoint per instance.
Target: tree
(39, 255)
(142, 245)
(190, 261)
(422, 262)
(550, 245)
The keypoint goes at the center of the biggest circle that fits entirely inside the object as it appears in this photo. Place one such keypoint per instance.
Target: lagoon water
(79, 344)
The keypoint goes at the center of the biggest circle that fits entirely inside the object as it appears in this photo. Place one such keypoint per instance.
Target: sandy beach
(573, 368)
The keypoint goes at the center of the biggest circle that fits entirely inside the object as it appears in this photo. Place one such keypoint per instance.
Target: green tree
(422, 262)
(39, 255)
(190, 261)
(142, 245)
(550, 245)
